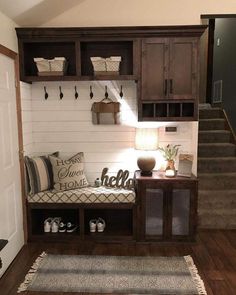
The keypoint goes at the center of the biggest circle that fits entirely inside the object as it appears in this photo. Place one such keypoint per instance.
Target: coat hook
(106, 93)
(121, 91)
(45, 93)
(61, 94)
(91, 92)
(76, 93)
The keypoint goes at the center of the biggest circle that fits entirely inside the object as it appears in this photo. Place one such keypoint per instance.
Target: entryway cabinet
(164, 61)
(167, 207)
(169, 78)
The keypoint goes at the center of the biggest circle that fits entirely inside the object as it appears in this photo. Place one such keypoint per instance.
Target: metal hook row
(61, 95)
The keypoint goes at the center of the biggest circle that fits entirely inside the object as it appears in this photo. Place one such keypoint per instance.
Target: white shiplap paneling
(27, 126)
(66, 125)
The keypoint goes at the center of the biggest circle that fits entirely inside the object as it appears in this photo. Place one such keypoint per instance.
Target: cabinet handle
(171, 86)
(165, 90)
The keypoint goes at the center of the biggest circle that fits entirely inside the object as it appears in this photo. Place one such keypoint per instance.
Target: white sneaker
(93, 225)
(47, 224)
(55, 224)
(101, 225)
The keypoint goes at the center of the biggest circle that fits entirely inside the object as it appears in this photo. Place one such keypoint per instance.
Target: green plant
(170, 151)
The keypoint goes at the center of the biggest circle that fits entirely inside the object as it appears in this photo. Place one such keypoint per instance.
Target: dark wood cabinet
(169, 79)
(167, 207)
(164, 61)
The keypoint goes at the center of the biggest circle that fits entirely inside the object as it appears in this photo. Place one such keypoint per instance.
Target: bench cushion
(85, 195)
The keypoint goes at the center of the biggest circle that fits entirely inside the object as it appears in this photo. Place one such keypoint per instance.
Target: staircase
(216, 171)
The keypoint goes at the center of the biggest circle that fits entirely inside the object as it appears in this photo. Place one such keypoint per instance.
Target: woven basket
(99, 64)
(113, 63)
(42, 64)
(107, 65)
(55, 66)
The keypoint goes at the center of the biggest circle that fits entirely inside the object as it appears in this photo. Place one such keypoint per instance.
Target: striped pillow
(40, 174)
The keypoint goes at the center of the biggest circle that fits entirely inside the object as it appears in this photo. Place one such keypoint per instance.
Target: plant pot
(170, 168)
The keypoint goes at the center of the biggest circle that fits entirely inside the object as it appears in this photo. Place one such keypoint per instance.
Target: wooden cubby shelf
(119, 218)
(164, 111)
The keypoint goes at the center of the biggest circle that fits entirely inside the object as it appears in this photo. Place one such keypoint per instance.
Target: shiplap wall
(26, 106)
(66, 125)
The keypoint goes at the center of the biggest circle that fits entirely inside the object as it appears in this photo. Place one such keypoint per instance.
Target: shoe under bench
(116, 207)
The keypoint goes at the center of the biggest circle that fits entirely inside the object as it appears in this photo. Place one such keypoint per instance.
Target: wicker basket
(42, 64)
(113, 63)
(106, 66)
(51, 67)
(99, 64)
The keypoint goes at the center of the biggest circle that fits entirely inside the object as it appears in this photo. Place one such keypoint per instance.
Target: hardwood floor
(214, 254)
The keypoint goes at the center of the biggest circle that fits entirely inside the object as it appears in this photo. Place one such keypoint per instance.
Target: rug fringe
(194, 272)
(31, 274)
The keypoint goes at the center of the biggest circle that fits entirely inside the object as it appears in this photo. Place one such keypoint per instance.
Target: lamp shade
(146, 139)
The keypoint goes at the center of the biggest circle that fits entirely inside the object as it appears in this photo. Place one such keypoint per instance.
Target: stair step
(214, 136)
(211, 113)
(220, 219)
(217, 165)
(212, 124)
(222, 199)
(217, 181)
(216, 150)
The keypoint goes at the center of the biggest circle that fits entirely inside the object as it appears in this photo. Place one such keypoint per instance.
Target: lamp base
(146, 173)
(146, 163)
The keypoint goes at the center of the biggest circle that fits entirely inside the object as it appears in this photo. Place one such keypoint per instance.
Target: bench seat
(88, 194)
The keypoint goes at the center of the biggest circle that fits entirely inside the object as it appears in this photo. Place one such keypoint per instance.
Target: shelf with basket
(66, 59)
(51, 60)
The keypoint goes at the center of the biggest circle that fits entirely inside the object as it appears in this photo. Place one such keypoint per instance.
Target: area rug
(113, 274)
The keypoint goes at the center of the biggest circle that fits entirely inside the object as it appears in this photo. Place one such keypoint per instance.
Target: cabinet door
(183, 80)
(180, 211)
(154, 215)
(154, 68)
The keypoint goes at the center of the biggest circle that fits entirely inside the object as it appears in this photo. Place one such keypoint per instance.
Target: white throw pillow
(68, 174)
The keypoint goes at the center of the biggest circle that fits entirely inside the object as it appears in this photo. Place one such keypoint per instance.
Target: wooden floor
(214, 254)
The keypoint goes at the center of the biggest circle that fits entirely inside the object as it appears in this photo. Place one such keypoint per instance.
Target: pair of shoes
(67, 227)
(51, 224)
(98, 224)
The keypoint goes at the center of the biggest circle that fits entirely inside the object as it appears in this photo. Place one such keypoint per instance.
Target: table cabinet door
(154, 212)
(180, 211)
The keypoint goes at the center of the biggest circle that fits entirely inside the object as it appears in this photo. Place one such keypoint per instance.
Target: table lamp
(146, 139)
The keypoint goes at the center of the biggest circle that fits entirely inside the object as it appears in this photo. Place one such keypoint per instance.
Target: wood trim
(230, 128)
(13, 55)
(210, 55)
(211, 16)
(88, 32)
(8, 52)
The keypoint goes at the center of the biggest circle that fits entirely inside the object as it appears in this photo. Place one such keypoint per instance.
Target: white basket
(109, 64)
(113, 63)
(57, 64)
(99, 64)
(42, 64)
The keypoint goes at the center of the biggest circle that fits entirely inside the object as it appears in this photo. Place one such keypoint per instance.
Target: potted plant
(169, 153)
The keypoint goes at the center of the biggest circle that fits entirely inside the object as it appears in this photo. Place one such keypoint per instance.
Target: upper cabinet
(169, 79)
(164, 61)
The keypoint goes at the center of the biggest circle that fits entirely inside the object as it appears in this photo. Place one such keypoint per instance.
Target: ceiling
(35, 12)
